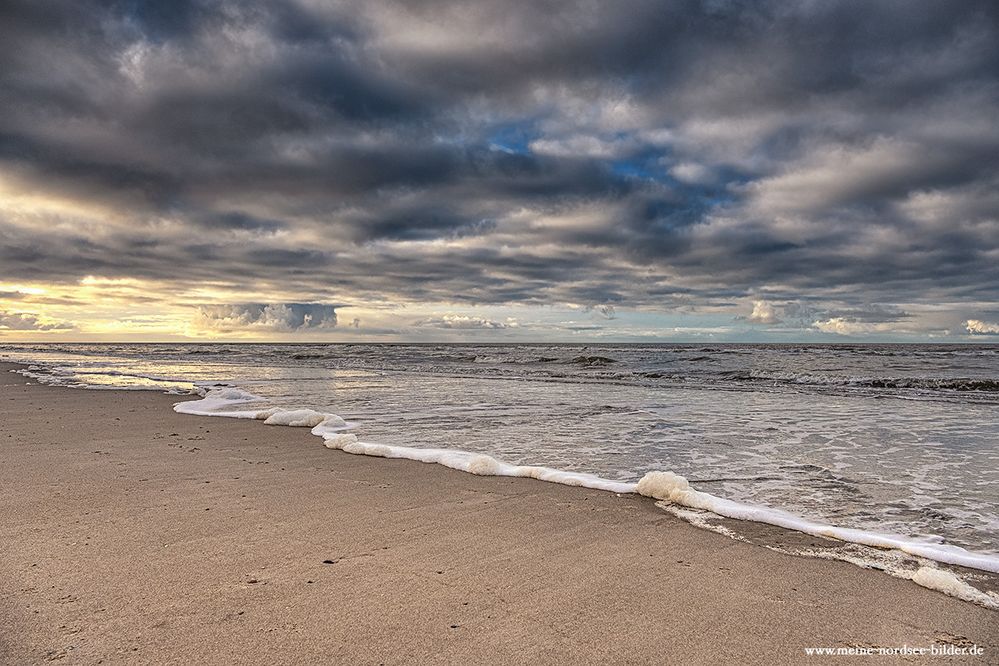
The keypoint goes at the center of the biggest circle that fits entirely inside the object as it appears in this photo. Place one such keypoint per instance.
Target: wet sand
(132, 534)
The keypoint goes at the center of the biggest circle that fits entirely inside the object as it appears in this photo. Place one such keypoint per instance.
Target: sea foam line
(660, 485)
(673, 490)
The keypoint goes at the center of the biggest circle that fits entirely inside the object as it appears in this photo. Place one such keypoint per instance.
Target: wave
(661, 485)
(591, 361)
(501, 360)
(923, 383)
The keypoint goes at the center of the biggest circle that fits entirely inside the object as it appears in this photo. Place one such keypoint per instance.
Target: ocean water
(875, 439)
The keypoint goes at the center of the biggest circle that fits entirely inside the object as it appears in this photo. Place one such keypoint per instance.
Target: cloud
(464, 322)
(850, 326)
(582, 146)
(764, 313)
(273, 317)
(978, 327)
(22, 321)
(607, 311)
(604, 310)
(870, 313)
(689, 155)
(841, 326)
(691, 172)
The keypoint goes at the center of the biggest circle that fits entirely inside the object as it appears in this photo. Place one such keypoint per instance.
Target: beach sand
(132, 534)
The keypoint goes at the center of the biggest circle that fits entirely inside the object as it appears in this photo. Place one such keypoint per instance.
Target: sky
(373, 170)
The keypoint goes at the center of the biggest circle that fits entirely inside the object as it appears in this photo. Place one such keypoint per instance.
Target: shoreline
(133, 526)
(232, 401)
(936, 564)
(674, 490)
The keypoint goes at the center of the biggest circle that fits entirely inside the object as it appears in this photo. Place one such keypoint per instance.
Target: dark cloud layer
(643, 154)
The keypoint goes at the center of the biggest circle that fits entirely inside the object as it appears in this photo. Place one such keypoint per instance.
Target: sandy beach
(133, 534)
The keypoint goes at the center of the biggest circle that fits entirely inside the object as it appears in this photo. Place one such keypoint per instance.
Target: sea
(892, 443)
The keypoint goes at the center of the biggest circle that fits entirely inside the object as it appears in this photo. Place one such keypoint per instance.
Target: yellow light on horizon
(23, 289)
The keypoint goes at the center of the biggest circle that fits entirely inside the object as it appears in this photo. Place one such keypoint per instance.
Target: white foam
(893, 562)
(339, 440)
(300, 418)
(675, 488)
(220, 402)
(474, 463)
(330, 425)
(948, 583)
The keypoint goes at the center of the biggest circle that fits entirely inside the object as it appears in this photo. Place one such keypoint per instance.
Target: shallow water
(900, 439)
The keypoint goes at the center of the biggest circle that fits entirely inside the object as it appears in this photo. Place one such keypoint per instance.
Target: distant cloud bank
(273, 317)
(976, 327)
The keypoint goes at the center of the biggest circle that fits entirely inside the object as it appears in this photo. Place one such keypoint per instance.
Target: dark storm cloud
(640, 153)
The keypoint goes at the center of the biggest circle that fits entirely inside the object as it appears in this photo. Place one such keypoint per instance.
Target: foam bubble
(670, 486)
(330, 425)
(299, 418)
(367, 449)
(221, 402)
(484, 466)
(948, 583)
(339, 440)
